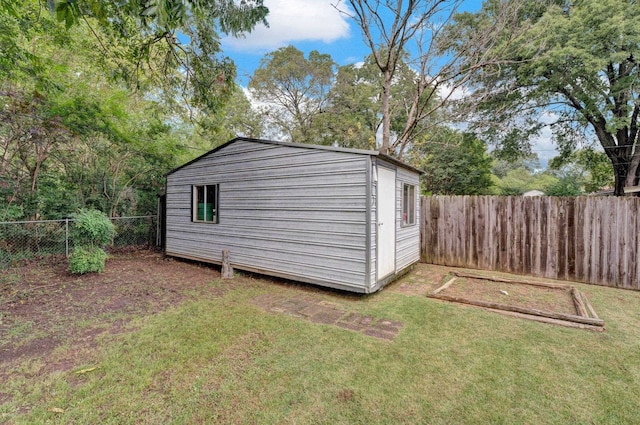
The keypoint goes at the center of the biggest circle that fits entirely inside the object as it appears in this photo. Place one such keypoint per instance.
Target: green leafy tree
(69, 133)
(354, 114)
(169, 46)
(236, 118)
(296, 90)
(454, 163)
(567, 185)
(502, 166)
(575, 61)
(521, 177)
(591, 167)
(351, 118)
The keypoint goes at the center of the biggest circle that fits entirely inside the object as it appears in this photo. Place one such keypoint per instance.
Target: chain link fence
(28, 240)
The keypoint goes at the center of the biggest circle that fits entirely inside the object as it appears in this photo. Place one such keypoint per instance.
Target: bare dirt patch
(43, 306)
(517, 294)
(422, 279)
(559, 304)
(522, 296)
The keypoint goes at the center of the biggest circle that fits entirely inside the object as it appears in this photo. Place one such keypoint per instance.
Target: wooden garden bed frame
(586, 317)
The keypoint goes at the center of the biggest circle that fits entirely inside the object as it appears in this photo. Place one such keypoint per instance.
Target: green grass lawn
(225, 360)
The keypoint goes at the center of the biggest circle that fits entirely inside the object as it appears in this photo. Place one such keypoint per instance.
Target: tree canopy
(171, 45)
(80, 129)
(453, 163)
(299, 88)
(589, 169)
(414, 33)
(573, 67)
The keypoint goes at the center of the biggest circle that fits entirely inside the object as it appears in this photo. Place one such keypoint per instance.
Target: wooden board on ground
(541, 301)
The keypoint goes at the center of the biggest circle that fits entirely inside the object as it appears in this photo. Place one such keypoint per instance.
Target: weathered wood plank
(548, 320)
(587, 239)
(633, 246)
(524, 310)
(577, 302)
(623, 233)
(445, 286)
(515, 281)
(526, 234)
(603, 231)
(612, 242)
(579, 232)
(544, 238)
(592, 312)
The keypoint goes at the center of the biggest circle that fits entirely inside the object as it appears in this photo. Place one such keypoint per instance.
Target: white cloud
(452, 92)
(293, 21)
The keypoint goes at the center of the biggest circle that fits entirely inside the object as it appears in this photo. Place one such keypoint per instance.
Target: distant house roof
(305, 146)
(533, 193)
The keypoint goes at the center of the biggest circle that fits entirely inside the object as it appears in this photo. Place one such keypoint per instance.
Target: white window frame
(408, 204)
(194, 203)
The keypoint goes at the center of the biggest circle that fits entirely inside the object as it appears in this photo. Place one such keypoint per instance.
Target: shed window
(205, 203)
(408, 204)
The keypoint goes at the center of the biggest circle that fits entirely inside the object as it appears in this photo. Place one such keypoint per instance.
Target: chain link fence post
(66, 237)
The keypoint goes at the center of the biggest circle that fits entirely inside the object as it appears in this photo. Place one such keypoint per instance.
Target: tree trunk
(632, 173)
(386, 119)
(620, 171)
(621, 158)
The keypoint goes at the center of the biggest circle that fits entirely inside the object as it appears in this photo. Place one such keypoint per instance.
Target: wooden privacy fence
(587, 239)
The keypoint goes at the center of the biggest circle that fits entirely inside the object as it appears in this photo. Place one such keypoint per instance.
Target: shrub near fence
(20, 240)
(588, 239)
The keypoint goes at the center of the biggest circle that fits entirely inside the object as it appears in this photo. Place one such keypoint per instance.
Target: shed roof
(304, 146)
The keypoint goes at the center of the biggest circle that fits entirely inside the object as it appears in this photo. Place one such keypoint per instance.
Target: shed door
(386, 222)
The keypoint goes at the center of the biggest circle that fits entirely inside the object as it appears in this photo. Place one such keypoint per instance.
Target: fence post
(158, 213)
(66, 236)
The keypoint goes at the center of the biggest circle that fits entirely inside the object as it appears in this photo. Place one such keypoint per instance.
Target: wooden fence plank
(544, 237)
(561, 231)
(612, 242)
(580, 248)
(623, 229)
(587, 239)
(502, 237)
(633, 245)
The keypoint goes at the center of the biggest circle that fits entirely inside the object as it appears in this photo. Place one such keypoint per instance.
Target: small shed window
(205, 203)
(408, 204)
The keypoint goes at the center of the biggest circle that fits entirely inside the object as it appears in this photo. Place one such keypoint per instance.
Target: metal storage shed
(342, 218)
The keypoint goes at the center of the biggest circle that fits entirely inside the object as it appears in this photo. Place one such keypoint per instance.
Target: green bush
(11, 212)
(87, 260)
(91, 231)
(92, 228)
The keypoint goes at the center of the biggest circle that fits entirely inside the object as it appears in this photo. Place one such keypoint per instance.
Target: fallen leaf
(56, 410)
(83, 371)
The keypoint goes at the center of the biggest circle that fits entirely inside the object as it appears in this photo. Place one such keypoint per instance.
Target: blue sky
(308, 25)
(318, 25)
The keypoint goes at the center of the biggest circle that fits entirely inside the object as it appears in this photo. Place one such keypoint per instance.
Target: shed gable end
(283, 210)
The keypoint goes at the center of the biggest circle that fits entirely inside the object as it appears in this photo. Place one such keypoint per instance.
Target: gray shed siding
(407, 237)
(286, 211)
(373, 246)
